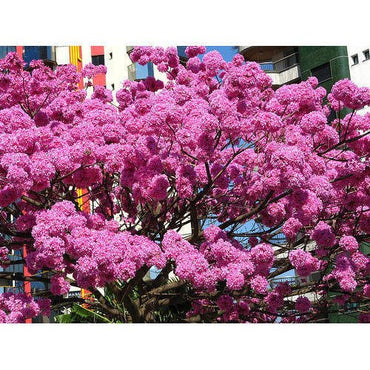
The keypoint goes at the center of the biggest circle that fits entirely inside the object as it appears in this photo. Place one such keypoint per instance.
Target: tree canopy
(211, 178)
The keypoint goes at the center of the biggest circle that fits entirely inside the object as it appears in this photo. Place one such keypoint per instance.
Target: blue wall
(5, 50)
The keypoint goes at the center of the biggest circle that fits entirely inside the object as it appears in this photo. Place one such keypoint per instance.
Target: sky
(226, 51)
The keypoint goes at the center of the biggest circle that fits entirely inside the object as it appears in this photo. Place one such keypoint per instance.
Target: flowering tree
(216, 180)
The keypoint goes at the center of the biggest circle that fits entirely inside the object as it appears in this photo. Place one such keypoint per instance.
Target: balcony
(282, 71)
(279, 62)
(281, 65)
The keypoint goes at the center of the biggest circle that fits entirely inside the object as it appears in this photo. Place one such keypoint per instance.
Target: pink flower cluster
(348, 243)
(88, 246)
(4, 251)
(323, 235)
(345, 92)
(163, 58)
(350, 268)
(90, 70)
(233, 311)
(303, 262)
(17, 307)
(217, 259)
(302, 304)
(262, 256)
(274, 300)
(291, 228)
(193, 51)
(59, 285)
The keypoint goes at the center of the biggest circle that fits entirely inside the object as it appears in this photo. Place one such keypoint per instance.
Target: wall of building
(360, 71)
(117, 61)
(311, 57)
(62, 55)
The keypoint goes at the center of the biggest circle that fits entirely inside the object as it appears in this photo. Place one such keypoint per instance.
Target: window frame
(100, 57)
(366, 55)
(322, 66)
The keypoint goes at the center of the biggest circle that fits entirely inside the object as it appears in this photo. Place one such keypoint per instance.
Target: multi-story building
(116, 59)
(292, 64)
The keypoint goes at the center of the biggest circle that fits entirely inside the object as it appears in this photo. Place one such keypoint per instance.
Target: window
(267, 66)
(144, 71)
(97, 60)
(5, 50)
(322, 73)
(110, 55)
(366, 54)
(112, 85)
(354, 59)
(36, 52)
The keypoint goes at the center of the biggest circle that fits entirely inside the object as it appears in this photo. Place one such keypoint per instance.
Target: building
(359, 65)
(329, 64)
(292, 64)
(116, 59)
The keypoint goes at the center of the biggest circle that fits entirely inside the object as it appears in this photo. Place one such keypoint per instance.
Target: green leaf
(89, 314)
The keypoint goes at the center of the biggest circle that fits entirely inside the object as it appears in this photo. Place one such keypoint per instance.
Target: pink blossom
(59, 285)
(274, 301)
(303, 262)
(193, 51)
(90, 70)
(17, 307)
(291, 228)
(259, 284)
(4, 256)
(323, 235)
(302, 304)
(348, 243)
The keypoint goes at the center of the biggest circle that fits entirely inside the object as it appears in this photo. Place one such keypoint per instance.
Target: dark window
(97, 60)
(110, 55)
(36, 52)
(322, 73)
(43, 52)
(354, 59)
(5, 50)
(112, 86)
(366, 54)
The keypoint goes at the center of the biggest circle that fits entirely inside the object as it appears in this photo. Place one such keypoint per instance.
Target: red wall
(98, 80)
